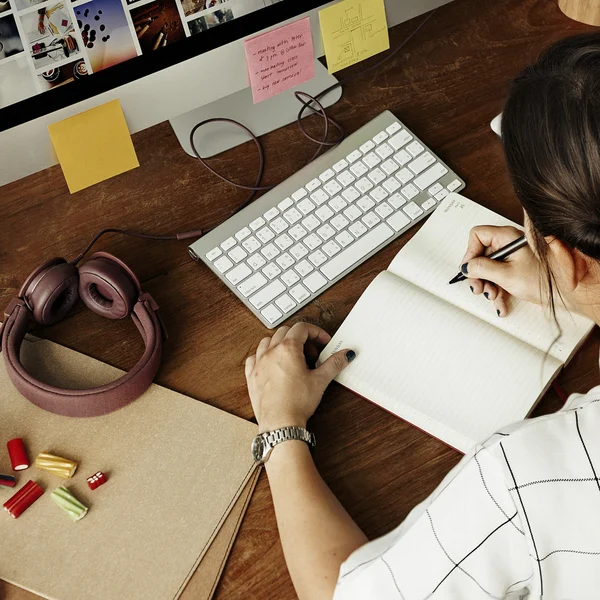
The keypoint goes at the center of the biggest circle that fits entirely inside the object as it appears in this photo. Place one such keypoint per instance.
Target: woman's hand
(41, 26)
(283, 390)
(519, 275)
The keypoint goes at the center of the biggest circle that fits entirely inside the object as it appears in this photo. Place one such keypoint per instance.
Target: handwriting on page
(280, 59)
(353, 30)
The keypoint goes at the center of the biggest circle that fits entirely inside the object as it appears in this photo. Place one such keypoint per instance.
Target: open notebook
(438, 356)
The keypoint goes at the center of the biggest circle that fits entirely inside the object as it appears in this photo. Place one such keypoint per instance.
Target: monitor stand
(260, 118)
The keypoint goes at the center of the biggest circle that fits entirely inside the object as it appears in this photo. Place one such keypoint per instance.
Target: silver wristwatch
(263, 444)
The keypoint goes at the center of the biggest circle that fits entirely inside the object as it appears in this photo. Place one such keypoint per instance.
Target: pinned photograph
(191, 7)
(23, 4)
(210, 20)
(57, 76)
(157, 24)
(4, 6)
(10, 41)
(16, 81)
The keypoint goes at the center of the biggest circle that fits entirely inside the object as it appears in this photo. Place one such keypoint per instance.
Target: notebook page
(432, 257)
(436, 366)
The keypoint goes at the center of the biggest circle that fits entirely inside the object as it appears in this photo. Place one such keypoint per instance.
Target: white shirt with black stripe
(518, 517)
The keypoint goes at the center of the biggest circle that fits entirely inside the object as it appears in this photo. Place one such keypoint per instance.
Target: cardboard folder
(180, 479)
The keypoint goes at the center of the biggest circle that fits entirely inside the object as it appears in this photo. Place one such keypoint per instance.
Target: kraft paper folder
(161, 528)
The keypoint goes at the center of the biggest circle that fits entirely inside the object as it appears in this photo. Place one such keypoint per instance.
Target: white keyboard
(290, 245)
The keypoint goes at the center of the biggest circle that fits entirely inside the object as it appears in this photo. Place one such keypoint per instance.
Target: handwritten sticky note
(353, 30)
(93, 146)
(280, 59)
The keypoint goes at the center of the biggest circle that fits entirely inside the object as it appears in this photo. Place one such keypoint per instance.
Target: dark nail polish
(350, 355)
(464, 269)
(487, 296)
(471, 287)
(498, 312)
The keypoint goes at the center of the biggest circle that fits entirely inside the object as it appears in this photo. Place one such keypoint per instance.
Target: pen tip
(456, 279)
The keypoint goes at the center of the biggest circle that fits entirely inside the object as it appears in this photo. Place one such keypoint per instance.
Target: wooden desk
(446, 85)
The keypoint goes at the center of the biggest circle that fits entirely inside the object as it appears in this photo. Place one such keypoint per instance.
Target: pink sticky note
(280, 59)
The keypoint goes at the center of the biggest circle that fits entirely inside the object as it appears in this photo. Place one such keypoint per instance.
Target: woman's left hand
(283, 390)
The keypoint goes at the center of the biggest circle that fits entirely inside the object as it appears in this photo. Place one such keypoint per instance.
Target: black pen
(498, 255)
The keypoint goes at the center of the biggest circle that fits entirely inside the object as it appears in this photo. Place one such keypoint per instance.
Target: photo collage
(45, 44)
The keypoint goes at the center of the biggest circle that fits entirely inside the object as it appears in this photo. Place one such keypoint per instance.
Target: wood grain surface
(446, 85)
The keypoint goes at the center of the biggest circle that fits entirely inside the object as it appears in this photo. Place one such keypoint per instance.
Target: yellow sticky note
(353, 30)
(93, 146)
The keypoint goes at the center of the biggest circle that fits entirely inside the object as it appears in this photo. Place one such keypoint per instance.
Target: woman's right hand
(519, 275)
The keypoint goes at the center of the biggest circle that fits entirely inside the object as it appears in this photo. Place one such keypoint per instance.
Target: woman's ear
(568, 265)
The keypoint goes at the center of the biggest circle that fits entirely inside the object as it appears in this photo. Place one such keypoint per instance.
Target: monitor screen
(84, 47)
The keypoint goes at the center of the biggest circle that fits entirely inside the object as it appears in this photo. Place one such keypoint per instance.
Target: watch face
(258, 448)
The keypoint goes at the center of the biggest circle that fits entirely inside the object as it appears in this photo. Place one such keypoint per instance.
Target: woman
(519, 516)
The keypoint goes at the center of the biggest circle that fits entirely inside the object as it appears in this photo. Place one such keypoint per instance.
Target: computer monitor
(162, 58)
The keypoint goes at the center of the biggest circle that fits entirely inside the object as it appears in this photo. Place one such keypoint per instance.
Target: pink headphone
(107, 286)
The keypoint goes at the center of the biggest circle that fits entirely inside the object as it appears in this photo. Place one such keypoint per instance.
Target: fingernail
(350, 355)
(487, 296)
(471, 287)
(498, 312)
(464, 269)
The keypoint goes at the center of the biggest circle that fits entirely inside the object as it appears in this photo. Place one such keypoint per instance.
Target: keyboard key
(353, 212)
(292, 216)
(242, 234)
(402, 157)
(357, 251)
(285, 261)
(410, 191)
(297, 232)
(257, 223)
(371, 219)
(284, 241)
(393, 128)
(271, 213)
(421, 163)
(256, 261)
(398, 221)
(336, 204)
(238, 273)
(380, 137)
(391, 185)
(223, 264)
(377, 176)
(354, 156)
(430, 176)
(300, 293)
(340, 165)
(298, 251)
(371, 160)
(311, 222)
(331, 248)
(326, 231)
(397, 200)
(412, 210)
(214, 253)
(324, 213)
(339, 222)
(357, 229)
(319, 197)
(344, 239)
(366, 203)
(384, 210)
(306, 206)
(270, 251)
(237, 254)
(271, 313)
(304, 267)
(346, 178)
(327, 175)
(359, 168)
(364, 185)
(435, 189)
(268, 293)
(390, 166)
(384, 151)
(317, 258)
(332, 187)
(299, 194)
(278, 225)
(315, 282)
(271, 270)
(441, 195)
(265, 235)
(367, 147)
(404, 175)
(228, 244)
(312, 241)
(415, 148)
(285, 303)
(290, 277)
(285, 204)
(454, 185)
(378, 194)
(400, 139)
(428, 203)
(252, 284)
(313, 184)
(251, 244)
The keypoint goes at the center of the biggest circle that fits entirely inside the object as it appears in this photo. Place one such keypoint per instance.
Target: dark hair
(551, 136)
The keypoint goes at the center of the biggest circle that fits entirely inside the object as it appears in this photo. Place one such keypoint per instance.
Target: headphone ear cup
(51, 291)
(107, 288)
